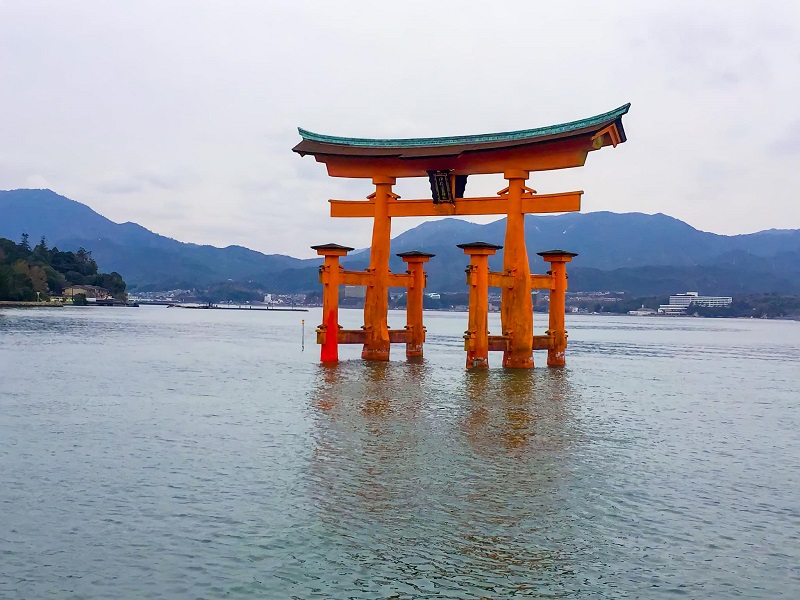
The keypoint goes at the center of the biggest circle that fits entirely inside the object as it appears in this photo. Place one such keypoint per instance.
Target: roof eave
(600, 120)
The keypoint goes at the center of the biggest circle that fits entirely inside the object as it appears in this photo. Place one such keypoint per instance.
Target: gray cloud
(788, 143)
(141, 182)
(182, 115)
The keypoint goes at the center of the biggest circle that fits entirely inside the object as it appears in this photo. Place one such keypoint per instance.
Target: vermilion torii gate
(447, 162)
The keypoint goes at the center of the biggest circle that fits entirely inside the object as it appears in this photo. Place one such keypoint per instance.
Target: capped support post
(558, 260)
(476, 338)
(328, 331)
(376, 298)
(516, 308)
(415, 330)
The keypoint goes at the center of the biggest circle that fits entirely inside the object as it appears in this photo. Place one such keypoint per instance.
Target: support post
(476, 338)
(415, 338)
(328, 331)
(516, 310)
(376, 300)
(558, 260)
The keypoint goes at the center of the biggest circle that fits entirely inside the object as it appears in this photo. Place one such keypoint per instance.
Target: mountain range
(633, 252)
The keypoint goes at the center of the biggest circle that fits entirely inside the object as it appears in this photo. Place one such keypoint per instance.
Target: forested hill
(144, 258)
(634, 252)
(24, 271)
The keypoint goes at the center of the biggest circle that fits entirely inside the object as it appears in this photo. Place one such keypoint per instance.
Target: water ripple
(161, 453)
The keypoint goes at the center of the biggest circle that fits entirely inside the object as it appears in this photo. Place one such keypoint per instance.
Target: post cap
(557, 253)
(331, 250)
(413, 253)
(332, 247)
(479, 245)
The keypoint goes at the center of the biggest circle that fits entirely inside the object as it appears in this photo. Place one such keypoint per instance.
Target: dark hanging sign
(441, 187)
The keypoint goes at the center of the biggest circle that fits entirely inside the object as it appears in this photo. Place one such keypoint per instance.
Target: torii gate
(447, 162)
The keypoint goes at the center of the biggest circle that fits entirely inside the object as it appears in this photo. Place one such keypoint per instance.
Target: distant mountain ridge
(143, 257)
(635, 252)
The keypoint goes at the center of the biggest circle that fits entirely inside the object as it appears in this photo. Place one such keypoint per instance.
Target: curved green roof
(508, 136)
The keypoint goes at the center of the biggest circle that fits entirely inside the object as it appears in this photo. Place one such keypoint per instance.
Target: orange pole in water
(376, 300)
(476, 338)
(558, 260)
(328, 331)
(516, 311)
(415, 336)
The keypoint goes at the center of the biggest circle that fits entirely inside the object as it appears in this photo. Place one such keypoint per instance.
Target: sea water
(171, 453)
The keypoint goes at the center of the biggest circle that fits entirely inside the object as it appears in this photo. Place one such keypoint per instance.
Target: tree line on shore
(30, 274)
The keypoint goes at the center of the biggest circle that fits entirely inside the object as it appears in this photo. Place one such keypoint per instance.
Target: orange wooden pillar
(376, 300)
(476, 338)
(415, 336)
(516, 311)
(558, 260)
(328, 331)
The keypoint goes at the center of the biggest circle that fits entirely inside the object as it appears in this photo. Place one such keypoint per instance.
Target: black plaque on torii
(442, 186)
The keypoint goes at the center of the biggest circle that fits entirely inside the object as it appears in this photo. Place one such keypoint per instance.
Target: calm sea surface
(169, 453)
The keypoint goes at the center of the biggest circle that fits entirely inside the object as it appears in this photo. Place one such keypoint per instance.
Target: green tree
(85, 263)
(40, 253)
(24, 244)
(113, 282)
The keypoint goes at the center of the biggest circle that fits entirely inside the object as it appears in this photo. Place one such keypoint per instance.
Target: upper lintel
(524, 135)
(543, 148)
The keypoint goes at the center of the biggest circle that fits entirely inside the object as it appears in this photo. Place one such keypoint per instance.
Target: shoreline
(20, 304)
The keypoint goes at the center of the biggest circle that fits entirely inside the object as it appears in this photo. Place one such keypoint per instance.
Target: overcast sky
(181, 116)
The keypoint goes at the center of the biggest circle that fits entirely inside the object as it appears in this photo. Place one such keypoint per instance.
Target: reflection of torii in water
(447, 162)
(515, 412)
(397, 469)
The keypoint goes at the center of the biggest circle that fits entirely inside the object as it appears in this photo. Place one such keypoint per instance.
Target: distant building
(90, 291)
(680, 303)
(355, 291)
(434, 296)
(642, 312)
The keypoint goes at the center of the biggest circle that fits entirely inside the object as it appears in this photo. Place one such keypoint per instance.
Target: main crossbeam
(540, 203)
(367, 278)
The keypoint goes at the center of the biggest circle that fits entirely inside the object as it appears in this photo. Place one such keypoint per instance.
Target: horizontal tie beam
(542, 282)
(501, 280)
(500, 343)
(359, 336)
(506, 280)
(365, 278)
(540, 203)
(355, 278)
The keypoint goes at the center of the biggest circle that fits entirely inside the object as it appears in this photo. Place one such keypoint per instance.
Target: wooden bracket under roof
(613, 134)
(526, 191)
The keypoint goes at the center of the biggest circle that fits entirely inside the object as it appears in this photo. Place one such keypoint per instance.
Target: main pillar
(376, 300)
(328, 331)
(516, 311)
(558, 260)
(415, 330)
(476, 338)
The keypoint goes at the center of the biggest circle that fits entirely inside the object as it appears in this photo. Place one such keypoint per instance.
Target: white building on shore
(680, 303)
(642, 312)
